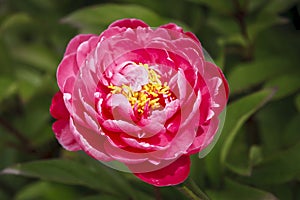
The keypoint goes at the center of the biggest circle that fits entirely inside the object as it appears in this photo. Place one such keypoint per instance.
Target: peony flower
(144, 97)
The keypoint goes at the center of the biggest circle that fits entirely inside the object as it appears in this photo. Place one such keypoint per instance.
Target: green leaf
(46, 191)
(255, 155)
(238, 161)
(263, 22)
(255, 5)
(96, 18)
(7, 87)
(98, 197)
(297, 102)
(70, 172)
(224, 25)
(15, 20)
(287, 84)
(277, 6)
(247, 75)
(291, 132)
(233, 190)
(237, 114)
(271, 124)
(279, 168)
(5, 60)
(223, 7)
(37, 56)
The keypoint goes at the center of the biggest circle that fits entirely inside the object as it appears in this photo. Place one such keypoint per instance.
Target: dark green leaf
(271, 124)
(36, 56)
(286, 85)
(100, 197)
(291, 132)
(277, 6)
(96, 18)
(46, 191)
(237, 113)
(234, 190)
(238, 160)
(263, 22)
(69, 172)
(223, 7)
(255, 155)
(7, 87)
(297, 102)
(251, 74)
(278, 168)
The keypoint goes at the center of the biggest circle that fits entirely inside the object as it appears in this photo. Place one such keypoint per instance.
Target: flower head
(141, 96)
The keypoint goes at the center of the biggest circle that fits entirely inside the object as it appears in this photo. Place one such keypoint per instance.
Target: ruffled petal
(64, 135)
(89, 141)
(174, 27)
(173, 174)
(128, 23)
(67, 72)
(58, 109)
(76, 41)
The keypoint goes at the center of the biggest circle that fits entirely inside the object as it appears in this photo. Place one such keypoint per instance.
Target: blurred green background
(255, 42)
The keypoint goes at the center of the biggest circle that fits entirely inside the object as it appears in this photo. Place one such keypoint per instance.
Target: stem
(192, 191)
(240, 15)
(157, 193)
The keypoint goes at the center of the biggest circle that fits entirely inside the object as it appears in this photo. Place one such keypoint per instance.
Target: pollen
(150, 95)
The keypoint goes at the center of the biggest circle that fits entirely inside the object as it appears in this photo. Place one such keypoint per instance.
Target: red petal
(58, 109)
(173, 174)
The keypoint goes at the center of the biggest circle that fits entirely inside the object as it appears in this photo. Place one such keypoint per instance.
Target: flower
(144, 97)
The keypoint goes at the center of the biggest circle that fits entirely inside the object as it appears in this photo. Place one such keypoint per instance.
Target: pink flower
(141, 96)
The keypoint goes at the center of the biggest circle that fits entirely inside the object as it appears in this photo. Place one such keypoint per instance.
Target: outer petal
(67, 72)
(58, 109)
(76, 41)
(174, 27)
(129, 23)
(172, 174)
(64, 135)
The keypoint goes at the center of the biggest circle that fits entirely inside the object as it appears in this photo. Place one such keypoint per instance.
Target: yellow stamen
(149, 94)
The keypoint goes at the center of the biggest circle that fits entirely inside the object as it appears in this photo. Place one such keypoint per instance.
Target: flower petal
(89, 141)
(67, 70)
(75, 42)
(58, 109)
(172, 174)
(64, 135)
(174, 27)
(129, 23)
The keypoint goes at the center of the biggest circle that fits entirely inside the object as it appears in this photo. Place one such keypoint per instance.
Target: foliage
(255, 42)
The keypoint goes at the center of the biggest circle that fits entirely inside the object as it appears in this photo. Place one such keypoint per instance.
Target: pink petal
(67, 69)
(129, 23)
(75, 42)
(91, 142)
(218, 87)
(85, 48)
(58, 109)
(173, 174)
(174, 27)
(64, 135)
(124, 156)
(204, 136)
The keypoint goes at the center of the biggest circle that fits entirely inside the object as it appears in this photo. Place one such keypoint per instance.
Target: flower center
(152, 95)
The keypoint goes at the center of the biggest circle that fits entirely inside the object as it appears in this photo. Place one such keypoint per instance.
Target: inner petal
(144, 90)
